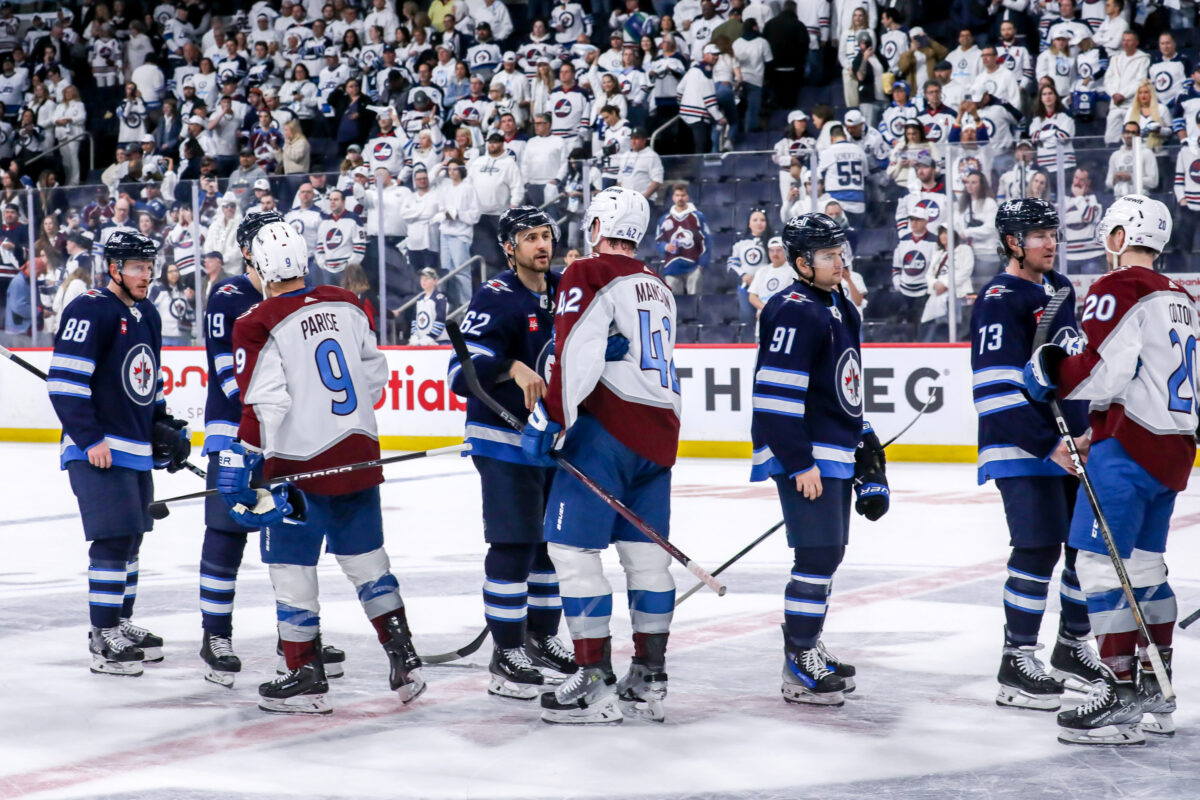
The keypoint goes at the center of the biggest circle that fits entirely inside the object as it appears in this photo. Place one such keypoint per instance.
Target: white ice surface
(916, 607)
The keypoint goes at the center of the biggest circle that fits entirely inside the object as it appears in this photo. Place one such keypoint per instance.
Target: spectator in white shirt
(497, 180)
(640, 168)
(457, 218)
(419, 210)
(543, 163)
(1126, 71)
(1121, 171)
(753, 54)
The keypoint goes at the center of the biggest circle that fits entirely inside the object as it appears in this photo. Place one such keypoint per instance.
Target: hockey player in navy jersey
(810, 438)
(1020, 449)
(508, 325)
(1137, 371)
(622, 428)
(224, 537)
(105, 386)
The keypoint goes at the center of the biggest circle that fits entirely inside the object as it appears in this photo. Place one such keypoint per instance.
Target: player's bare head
(617, 220)
(814, 245)
(1029, 234)
(527, 235)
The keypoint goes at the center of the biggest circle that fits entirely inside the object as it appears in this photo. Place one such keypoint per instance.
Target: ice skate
(548, 653)
(150, 645)
(113, 654)
(808, 680)
(588, 697)
(331, 657)
(300, 691)
(513, 675)
(1075, 663)
(1110, 715)
(221, 664)
(840, 668)
(641, 692)
(1024, 682)
(404, 673)
(1153, 703)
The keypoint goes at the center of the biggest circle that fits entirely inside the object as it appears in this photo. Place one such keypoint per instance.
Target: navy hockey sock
(505, 592)
(1074, 616)
(131, 577)
(107, 560)
(806, 598)
(545, 606)
(220, 558)
(1025, 591)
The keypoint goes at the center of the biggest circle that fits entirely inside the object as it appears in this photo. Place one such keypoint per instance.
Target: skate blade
(801, 696)
(130, 669)
(1072, 682)
(515, 691)
(153, 655)
(645, 710)
(219, 678)
(334, 670)
(1160, 724)
(1009, 697)
(1108, 735)
(850, 685)
(551, 676)
(300, 704)
(407, 692)
(606, 713)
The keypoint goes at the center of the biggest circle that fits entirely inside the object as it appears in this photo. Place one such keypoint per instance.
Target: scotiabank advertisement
(417, 409)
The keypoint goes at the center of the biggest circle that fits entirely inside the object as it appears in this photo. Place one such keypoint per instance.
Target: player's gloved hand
(1041, 373)
(284, 503)
(616, 348)
(870, 476)
(171, 443)
(538, 437)
(235, 469)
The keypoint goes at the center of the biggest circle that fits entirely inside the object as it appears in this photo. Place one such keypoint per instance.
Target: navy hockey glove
(1041, 373)
(538, 437)
(616, 348)
(284, 503)
(235, 469)
(873, 497)
(171, 443)
(870, 476)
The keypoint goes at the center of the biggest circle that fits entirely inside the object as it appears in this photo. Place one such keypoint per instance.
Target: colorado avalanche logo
(562, 108)
(383, 151)
(915, 263)
(139, 375)
(849, 378)
(1163, 81)
(684, 239)
(334, 238)
(754, 256)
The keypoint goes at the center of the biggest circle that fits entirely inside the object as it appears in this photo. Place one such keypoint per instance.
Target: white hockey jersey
(339, 241)
(911, 261)
(843, 167)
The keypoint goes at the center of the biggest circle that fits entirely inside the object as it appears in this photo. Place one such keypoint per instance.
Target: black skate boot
(113, 654)
(548, 653)
(1151, 698)
(587, 697)
(840, 668)
(404, 664)
(220, 662)
(151, 645)
(808, 679)
(298, 691)
(331, 658)
(513, 675)
(1075, 663)
(1110, 715)
(1024, 682)
(642, 691)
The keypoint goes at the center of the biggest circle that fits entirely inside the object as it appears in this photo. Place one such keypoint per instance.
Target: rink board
(418, 411)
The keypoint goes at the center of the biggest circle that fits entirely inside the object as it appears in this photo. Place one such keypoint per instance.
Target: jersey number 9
(331, 364)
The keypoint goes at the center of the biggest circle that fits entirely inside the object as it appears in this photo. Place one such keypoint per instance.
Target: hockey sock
(1025, 591)
(131, 577)
(220, 558)
(545, 606)
(107, 560)
(297, 654)
(1074, 617)
(506, 592)
(806, 598)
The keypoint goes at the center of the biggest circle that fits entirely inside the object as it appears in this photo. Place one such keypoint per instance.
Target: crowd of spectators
(397, 133)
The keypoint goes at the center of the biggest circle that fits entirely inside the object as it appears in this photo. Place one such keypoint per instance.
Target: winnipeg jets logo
(753, 257)
(562, 108)
(1163, 81)
(849, 378)
(334, 238)
(228, 289)
(773, 284)
(139, 374)
(996, 292)
(497, 286)
(383, 151)
(915, 263)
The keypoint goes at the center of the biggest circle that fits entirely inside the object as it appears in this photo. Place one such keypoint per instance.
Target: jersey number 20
(1184, 375)
(331, 364)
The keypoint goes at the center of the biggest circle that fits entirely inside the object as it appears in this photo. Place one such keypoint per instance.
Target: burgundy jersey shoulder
(1133, 283)
(270, 312)
(600, 268)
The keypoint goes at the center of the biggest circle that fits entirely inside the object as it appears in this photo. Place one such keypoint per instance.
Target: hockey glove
(538, 437)
(870, 477)
(1041, 373)
(616, 348)
(235, 469)
(171, 444)
(284, 503)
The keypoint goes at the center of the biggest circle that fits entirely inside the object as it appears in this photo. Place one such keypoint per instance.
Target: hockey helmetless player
(1137, 372)
(224, 537)
(309, 372)
(509, 323)
(622, 428)
(105, 386)
(810, 438)
(1020, 449)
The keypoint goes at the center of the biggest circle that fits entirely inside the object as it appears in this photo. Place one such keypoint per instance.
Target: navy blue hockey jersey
(1016, 434)
(104, 380)
(504, 323)
(807, 385)
(228, 300)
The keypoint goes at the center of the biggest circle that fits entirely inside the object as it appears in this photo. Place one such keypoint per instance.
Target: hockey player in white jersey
(309, 373)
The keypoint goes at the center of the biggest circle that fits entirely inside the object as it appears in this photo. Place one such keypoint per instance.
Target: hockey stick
(1195, 615)
(1160, 670)
(904, 430)
(158, 509)
(462, 652)
(16, 359)
(472, 379)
